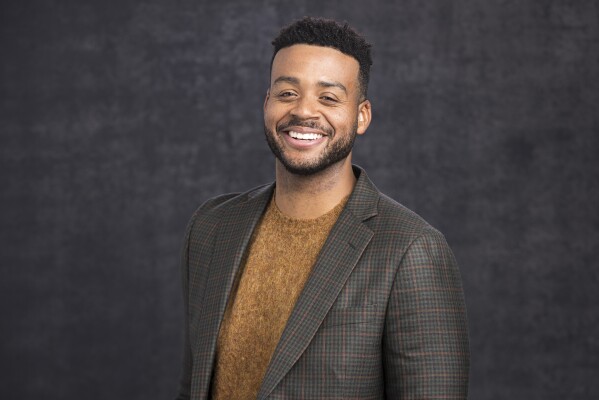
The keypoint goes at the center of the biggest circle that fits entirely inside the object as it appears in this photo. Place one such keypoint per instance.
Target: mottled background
(118, 118)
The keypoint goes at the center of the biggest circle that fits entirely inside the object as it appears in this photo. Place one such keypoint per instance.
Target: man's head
(316, 104)
(328, 33)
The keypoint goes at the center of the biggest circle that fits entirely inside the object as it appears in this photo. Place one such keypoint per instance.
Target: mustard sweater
(279, 260)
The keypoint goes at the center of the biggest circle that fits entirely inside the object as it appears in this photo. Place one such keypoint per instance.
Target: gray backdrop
(118, 119)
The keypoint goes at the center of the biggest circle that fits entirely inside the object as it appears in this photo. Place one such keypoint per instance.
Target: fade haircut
(328, 33)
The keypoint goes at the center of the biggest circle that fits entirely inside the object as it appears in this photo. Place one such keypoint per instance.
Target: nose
(305, 108)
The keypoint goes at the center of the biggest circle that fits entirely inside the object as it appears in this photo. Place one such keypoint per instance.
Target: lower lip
(302, 144)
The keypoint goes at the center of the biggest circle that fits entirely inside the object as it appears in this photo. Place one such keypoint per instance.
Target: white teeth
(304, 136)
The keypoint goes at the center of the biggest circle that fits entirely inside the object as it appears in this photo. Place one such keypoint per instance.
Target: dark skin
(313, 109)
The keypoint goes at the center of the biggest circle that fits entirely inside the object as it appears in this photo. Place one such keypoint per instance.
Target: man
(318, 286)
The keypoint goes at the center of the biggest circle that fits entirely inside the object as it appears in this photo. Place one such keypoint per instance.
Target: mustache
(294, 121)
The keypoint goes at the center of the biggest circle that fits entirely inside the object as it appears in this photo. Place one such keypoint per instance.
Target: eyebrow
(332, 84)
(296, 81)
(288, 79)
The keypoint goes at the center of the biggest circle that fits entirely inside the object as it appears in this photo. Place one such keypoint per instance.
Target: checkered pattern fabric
(381, 316)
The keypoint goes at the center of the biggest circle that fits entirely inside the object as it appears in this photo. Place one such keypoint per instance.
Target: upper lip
(303, 129)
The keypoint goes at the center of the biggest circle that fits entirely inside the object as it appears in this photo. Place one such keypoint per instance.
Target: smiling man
(318, 286)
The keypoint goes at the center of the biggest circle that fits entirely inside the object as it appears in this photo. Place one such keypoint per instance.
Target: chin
(303, 170)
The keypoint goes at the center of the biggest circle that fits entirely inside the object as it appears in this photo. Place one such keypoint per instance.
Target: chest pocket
(351, 315)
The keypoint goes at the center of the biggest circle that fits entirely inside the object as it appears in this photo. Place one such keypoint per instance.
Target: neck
(311, 196)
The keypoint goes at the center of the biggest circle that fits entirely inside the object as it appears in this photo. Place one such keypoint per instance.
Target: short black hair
(328, 33)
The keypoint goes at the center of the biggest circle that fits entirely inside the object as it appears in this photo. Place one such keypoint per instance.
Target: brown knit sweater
(279, 260)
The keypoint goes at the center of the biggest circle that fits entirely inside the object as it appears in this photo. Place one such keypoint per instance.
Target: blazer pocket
(350, 315)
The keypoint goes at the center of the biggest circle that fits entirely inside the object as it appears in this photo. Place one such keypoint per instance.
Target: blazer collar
(364, 200)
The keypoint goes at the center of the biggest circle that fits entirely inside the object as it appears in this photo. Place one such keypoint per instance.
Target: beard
(334, 151)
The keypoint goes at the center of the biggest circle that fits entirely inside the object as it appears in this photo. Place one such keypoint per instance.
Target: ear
(364, 116)
(266, 98)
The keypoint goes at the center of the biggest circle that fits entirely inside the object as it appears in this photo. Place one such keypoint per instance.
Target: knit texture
(281, 255)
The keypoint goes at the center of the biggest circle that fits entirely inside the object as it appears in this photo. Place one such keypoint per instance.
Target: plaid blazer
(382, 314)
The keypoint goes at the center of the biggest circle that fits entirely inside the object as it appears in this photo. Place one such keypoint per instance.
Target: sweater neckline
(332, 214)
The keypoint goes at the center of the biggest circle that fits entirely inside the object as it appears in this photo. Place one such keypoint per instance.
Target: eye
(286, 94)
(329, 99)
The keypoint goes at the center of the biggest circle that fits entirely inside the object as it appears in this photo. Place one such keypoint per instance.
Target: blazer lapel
(342, 250)
(234, 234)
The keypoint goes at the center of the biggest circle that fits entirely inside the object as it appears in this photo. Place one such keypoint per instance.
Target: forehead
(311, 63)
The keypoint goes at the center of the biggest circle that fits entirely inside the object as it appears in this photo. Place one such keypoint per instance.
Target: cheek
(341, 119)
(268, 116)
(272, 114)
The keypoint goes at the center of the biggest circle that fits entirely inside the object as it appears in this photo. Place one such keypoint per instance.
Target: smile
(305, 136)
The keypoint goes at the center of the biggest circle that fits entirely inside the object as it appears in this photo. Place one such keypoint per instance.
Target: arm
(425, 343)
(185, 382)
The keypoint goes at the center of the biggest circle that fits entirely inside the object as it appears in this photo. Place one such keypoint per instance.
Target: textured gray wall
(118, 118)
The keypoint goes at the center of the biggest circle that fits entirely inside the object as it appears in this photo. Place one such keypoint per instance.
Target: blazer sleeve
(425, 342)
(185, 380)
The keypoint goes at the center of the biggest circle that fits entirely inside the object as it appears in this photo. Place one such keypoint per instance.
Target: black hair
(328, 33)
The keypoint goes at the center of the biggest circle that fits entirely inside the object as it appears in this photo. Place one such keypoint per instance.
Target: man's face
(312, 111)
